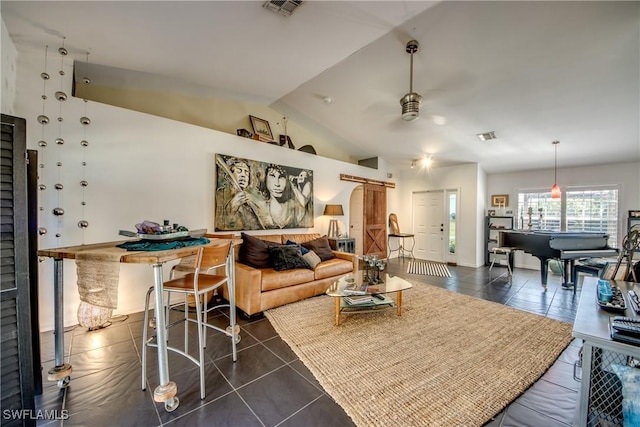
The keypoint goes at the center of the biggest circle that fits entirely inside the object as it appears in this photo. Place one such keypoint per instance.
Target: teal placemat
(146, 245)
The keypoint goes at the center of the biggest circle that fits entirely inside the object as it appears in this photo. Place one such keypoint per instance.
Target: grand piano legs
(544, 269)
(568, 272)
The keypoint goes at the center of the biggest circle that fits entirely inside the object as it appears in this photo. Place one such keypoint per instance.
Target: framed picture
(261, 128)
(491, 212)
(634, 214)
(500, 200)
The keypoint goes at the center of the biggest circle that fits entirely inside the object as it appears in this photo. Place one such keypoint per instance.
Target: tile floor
(268, 385)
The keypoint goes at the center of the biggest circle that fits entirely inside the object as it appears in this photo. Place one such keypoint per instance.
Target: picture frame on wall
(261, 128)
(499, 200)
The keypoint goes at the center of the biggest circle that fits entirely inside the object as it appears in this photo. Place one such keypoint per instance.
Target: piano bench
(508, 253)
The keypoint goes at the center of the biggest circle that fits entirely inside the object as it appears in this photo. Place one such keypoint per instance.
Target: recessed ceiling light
(439, 120)
(487, 136)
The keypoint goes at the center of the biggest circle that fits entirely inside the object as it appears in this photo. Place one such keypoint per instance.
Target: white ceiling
(533, 72)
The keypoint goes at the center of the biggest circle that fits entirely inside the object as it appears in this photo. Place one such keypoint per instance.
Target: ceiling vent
(283, 7)
(488, 136)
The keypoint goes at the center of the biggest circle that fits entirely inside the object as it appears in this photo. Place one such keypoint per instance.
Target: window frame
(614, 238)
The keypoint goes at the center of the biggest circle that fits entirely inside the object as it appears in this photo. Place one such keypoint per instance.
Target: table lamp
(333, 210)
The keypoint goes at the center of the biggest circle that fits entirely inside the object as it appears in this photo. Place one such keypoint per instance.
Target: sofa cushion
(333, 267)
(312, 259)
(275, 238)
(272, 279)
(255, 252)
(287, 257)
(303, 250)
(321, 247)
(300, 238)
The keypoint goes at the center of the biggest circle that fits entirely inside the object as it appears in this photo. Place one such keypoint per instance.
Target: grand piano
(565, 246)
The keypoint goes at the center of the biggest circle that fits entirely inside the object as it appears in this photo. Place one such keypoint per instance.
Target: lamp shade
(333, 210)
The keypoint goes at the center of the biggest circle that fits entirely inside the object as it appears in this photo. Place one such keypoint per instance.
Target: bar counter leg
(61, 371)
(167, 390)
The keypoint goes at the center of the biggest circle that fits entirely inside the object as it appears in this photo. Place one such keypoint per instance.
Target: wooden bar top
(133, 257)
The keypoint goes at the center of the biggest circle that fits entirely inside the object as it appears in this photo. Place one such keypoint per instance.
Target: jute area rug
(428, 269)
(449, 360)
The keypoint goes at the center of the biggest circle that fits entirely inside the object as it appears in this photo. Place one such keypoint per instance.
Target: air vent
(283, 7)
(487, 136)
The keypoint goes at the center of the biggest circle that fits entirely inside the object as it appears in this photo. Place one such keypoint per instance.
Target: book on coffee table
(359, 299)
(366, 300)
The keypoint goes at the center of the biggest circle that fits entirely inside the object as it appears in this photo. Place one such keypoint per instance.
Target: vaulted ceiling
(532, 72)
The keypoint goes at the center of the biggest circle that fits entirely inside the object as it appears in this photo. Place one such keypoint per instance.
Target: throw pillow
(630, 379)
(287, 257)
(303, 250)
(312, 259)
(254, 252)
(321, 247)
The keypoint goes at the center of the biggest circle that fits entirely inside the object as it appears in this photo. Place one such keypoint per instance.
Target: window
(593, 209)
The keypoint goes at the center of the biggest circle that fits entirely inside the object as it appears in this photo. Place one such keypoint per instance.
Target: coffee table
(355, 284)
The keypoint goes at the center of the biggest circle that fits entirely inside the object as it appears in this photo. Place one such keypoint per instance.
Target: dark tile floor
(268, 385)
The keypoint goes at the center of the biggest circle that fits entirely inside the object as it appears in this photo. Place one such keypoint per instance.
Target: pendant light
(555, 189)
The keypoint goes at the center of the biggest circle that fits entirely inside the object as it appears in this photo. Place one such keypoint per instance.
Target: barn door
(375, 221)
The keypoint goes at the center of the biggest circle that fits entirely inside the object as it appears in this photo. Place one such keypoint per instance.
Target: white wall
(138, 167)
(8, 67)
(626, 175)
(464, 178)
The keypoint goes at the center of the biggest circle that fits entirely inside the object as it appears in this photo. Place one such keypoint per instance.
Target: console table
(600, 395)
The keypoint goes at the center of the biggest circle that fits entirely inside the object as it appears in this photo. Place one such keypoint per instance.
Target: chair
(395, 232)
(203, 277)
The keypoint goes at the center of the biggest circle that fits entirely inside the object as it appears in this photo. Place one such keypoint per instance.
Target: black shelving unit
(493, 225)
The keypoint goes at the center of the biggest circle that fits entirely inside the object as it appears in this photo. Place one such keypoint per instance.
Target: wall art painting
(254, 195)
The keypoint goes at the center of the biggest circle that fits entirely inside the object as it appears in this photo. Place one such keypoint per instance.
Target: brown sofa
(259, 289)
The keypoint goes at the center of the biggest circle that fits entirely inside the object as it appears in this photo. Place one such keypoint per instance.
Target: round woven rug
(449, 360)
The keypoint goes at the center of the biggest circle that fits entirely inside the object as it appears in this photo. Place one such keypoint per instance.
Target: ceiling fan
(411, 101)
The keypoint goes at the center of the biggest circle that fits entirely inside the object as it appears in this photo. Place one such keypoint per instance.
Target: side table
(600, 394)
(343, 244)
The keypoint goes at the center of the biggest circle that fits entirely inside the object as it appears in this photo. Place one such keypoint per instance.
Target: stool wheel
(64, 382)
(172, 404)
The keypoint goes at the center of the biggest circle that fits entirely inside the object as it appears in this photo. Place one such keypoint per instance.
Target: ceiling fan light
(410, 106)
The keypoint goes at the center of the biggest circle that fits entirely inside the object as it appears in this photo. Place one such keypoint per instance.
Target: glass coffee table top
(356, 293)
(354, 284)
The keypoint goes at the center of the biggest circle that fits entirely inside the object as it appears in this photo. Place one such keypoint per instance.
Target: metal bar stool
(395, 232)
(197, 284)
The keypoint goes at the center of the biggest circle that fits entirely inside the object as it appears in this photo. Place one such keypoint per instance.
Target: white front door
(428, 225)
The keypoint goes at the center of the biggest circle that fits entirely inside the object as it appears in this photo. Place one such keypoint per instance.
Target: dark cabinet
(343, 245)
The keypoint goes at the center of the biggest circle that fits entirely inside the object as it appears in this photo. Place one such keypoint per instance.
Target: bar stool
(505, 251)
(395, 232)
(196, 284)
